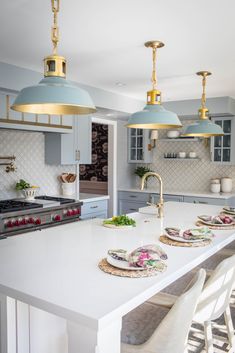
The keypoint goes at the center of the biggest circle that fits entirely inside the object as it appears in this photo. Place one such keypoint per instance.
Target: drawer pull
(203, 202)
(94, 206)
(133, 196)
(133, 209)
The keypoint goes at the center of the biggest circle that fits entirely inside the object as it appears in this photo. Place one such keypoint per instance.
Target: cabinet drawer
(176, 198)
(133, 196)
(102, 215)
(130, 207)
(205, 200)
(94, 207)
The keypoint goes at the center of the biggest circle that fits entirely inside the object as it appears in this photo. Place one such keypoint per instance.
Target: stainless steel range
(20, 216)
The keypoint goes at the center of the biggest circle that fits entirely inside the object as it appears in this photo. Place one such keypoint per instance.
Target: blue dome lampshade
(154, 115)
(203, 127)
(54, 94)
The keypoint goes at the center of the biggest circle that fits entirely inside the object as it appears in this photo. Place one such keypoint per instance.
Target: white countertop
(220, 195)
(85, 197)
(56, 269)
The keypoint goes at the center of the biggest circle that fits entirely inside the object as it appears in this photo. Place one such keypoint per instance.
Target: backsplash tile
(28, 147)
(186, 175)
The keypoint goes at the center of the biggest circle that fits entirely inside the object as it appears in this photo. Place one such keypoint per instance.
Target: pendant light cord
(55, 4)
(154, 73)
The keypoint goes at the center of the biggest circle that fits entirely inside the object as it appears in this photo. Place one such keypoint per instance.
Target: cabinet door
(138, 140)
(126, 207)
(222, 146)
(83, 139)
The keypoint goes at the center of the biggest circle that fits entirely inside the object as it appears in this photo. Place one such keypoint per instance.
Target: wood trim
(23, 122)
(94, 187)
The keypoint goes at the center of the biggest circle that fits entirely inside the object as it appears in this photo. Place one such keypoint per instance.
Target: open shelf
(180, 139)
(181, 159)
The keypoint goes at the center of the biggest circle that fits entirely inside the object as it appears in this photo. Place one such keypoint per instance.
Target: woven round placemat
(171, 242)
(106, 267)
(200, 224)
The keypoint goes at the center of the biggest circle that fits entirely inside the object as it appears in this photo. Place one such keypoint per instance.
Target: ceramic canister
(226, 184)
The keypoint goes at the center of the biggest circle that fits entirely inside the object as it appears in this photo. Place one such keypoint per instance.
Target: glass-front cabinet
(138, 140)
(222, 147)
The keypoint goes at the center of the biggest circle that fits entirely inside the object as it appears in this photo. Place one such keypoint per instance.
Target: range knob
(69, 213)
(31, 220)
(24, 221)
(17, 223)
(10, 224)
(57, 218)
(37, 221)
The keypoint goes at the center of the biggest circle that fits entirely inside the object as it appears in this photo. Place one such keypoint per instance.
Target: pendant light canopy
(154, 115)
(54, 94)
(203, 127)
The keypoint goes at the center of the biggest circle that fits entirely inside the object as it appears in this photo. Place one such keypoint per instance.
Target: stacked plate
(193, 235)
(142, 258)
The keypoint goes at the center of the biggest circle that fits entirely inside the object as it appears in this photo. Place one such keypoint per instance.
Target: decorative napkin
(191, 234)
(147, 256)
(220, 219)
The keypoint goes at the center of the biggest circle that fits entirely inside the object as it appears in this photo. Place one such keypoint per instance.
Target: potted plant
(28, 190)
(140, 172)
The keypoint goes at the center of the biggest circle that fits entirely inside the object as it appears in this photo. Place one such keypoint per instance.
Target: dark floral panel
(98, 170)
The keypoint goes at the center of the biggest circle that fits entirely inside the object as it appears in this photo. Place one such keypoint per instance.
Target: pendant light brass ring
(204, 73)
(154, 44)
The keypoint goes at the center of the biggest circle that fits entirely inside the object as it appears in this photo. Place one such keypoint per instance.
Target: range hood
(188, 109)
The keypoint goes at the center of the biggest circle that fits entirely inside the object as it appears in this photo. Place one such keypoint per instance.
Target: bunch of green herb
(22, 184)
(140, 171)
(122, 220)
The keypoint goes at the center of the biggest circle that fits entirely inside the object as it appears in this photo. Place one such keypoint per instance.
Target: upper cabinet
(223, 147)
(138, 140)
(62, 149)
(10, 119)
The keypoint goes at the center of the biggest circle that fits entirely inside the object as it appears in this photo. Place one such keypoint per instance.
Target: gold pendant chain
(55, 4)
(154, 73)
(204, 91)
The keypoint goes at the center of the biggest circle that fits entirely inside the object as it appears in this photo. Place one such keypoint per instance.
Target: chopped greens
(122, 220)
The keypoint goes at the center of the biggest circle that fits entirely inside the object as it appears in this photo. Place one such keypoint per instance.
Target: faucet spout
(160, 204)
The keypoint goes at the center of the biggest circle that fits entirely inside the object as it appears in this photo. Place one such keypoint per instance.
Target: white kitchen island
(56, 270)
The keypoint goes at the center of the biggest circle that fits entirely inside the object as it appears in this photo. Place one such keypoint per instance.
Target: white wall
(28, 147)
(125, 176)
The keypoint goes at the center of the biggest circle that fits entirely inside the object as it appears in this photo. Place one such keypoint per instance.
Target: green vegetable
(140, 171)
(122, 220)
(22, 184)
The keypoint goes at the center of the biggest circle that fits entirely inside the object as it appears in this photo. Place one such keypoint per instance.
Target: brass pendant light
(203, 127)
(54, 94)
(154, 115)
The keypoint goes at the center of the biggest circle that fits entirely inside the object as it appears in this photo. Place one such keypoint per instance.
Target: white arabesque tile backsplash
(28, 147)
(186, 175)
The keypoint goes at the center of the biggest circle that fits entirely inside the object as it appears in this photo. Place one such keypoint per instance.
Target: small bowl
(182, 154)
(173, 134)
(192, 154)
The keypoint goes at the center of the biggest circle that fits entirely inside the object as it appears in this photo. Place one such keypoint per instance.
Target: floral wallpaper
(98, 170)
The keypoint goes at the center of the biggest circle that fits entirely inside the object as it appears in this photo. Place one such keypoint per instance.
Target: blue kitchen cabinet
(64, 149)
(94, 209)
(223, 147)
(138, 140)
(206, 200)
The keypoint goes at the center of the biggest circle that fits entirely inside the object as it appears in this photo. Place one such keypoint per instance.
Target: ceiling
(103, 43)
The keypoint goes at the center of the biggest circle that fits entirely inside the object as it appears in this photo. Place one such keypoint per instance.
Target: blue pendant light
(54, 94)
(203, 127)
(154, 115)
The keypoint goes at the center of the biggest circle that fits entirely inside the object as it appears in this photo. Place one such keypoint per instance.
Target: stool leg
(208, 337)
(229, 326)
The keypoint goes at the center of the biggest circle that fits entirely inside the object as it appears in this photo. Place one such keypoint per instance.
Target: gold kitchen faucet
(159, 204)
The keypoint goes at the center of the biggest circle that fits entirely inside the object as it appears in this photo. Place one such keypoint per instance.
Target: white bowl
(182, 154)
(30, 193)
(172, 134)
(192, 154)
